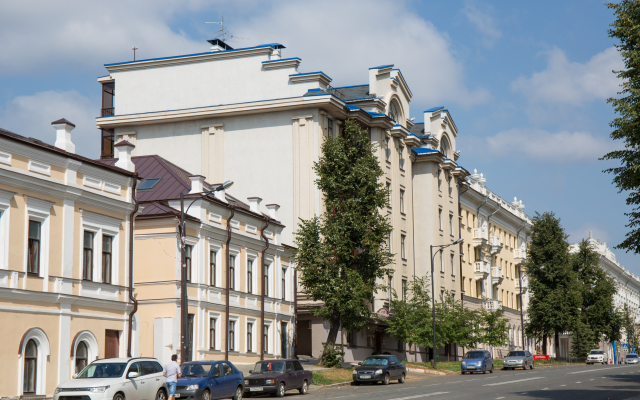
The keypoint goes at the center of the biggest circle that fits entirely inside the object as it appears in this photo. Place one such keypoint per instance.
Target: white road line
(420, 395)
(578, 382)
(592, 370)
(519, 380)
(563, 385)
(498, 398)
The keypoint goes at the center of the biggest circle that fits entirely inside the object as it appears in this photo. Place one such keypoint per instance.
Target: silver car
(518, 359)
(597, 356)
(631, 358)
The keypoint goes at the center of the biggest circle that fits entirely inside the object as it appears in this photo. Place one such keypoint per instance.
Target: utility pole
(134, 52)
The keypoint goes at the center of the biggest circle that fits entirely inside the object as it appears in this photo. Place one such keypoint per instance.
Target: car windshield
(516, 354)
(376, 361)
(195, 370)
(102, 370)
(474, 354)
(632, 356)
(597, 352)
(268, 366)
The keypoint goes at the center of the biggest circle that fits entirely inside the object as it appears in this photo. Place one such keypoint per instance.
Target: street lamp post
(433, 294)
(185, 345)
(520, 276)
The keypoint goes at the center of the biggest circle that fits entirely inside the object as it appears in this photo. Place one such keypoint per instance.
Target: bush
(331, 357)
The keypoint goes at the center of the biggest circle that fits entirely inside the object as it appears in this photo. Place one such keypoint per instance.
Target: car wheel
(304, 388)
(531, 366)
(247, 395)
(238, 394)
(484, 370)
(280, 392)
(385, 381)
(401, 380)
(491, 370)
(206, 395)
(356, 383)
(118, 396)
(463, 372)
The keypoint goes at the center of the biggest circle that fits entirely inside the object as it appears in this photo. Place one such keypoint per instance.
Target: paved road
(565, 383)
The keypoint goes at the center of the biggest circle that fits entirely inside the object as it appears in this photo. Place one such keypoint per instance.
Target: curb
(331, 385)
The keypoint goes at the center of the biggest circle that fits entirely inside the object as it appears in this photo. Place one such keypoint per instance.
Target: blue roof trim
(421, 150)
(352, 108)
(434, 109)
(376, 115)
(317, 92)
(405, 81)
(272, 45)
(314, 90)
(282, 59)
(447, 159)
(342, 87)
(382, 66)
(361, 98)
(411, 134)
(312, 73)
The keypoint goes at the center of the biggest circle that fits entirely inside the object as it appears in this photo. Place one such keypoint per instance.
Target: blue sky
(525, 82)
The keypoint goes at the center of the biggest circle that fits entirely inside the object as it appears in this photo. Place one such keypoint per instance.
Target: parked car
(276, 377)
(382, 368)
(117, 379)
(206, 380)
(597, 356)
(477, 361)
(518, 359)
(631, 358)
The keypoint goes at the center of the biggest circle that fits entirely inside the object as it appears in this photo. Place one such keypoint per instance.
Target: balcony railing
(481, 269)
(492, 305)
(525, 283)
(480, 237)
(108, 112)
(520, 255)
(496, 275)
(496, 244)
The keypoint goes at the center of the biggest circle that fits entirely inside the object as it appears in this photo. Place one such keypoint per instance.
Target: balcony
(481, 270)
(496, 244)
(496, 275)
(520, 256)
(525, 284)
(108, 112)
(480, 237)
(492, 305)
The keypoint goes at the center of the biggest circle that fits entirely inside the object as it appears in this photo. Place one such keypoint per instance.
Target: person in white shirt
(172, 373)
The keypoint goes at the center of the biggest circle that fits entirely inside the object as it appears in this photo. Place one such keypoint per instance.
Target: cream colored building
(64, 245)
(252, 331)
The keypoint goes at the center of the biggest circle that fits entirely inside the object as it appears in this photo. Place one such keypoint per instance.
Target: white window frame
(39, 210)
(284, 270)
(215, 316)
(101, 225)
(253, 257)
(254, 342)
(269, 266)
(269, 326)
(440, 218)
(5, 217)
(402, 193)
(93, 349)
(218, 249)
(453, 263)
(42, 342)
(238, 330)
(235, 253)
(403, 250)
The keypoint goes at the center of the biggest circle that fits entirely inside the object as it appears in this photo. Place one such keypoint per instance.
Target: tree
(342, 253)
(583, 339)
(630, 328)
(626, 126)
(556, 297)
(410, 315)
(495, 328)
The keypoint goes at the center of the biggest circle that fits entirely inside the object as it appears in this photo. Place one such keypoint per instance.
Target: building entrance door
(111, 343)
(378, 345)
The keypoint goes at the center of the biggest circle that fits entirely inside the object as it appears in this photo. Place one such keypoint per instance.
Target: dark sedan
(276, 377)
(206, 380)
(379, 369)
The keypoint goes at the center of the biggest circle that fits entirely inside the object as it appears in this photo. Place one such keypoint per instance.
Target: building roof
(417, 129)
(354, 92)
(53, 149)
(63, 121)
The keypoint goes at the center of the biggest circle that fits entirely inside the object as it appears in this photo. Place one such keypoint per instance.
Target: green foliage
(630, 328)
(582, 340)
(331, 358)
(495, 328)
(618, 321)
(456, 324)
(342, 254)
(554, 307)
(626, 126)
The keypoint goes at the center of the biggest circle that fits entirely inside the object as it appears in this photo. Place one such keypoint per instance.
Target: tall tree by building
(342, 254)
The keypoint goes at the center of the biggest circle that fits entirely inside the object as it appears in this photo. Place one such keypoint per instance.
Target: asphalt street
(566, 383)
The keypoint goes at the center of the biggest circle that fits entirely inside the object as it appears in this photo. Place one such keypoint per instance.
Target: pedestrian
(172, 373)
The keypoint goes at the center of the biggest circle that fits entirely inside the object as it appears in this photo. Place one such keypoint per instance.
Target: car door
(299, 371)
(228, 379)
(152, 377)
(290, 377)
(135, 387)
(217, 382)
(488, 361)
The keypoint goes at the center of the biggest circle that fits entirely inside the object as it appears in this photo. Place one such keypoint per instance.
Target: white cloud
(346, 38)
(484, 23)
(31, 116)
(541, 145)
(572, 83)
(598, 232)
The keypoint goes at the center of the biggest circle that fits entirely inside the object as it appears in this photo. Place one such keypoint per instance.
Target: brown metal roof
(53, 149)
(63, 121)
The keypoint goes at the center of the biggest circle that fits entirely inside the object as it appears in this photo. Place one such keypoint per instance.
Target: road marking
(578, 382)
(591, 379)
(592, 370)
(563, 385)
(519, 380)
(420, 395)
(498, 398)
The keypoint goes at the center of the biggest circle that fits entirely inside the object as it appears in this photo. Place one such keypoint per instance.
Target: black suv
(381, 368)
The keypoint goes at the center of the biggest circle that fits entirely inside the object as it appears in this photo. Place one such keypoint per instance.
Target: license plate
(365, 376)
(177, 395)
(256, 389)
(471, 367)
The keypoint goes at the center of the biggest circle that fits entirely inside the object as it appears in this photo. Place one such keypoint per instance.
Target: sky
(525, 82)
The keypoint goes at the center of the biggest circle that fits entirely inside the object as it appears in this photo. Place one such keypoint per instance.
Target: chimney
(124, 155)
(254, 204)
(63, 135)
(197, 183)
(220, 195)
(276, 54)
(219, 45)
(273, 210)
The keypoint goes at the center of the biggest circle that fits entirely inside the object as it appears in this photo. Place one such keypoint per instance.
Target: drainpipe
(490, 256)
(478, 211)
(131, 297)
(226, 349)
(461, 244)
(268, 221)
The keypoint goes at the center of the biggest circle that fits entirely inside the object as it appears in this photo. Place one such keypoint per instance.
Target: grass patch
(333, 375)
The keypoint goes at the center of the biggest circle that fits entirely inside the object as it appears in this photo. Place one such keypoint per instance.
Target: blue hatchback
(206, 380)
(477, 361)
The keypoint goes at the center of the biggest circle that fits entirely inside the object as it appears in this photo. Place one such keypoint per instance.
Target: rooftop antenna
(134, 52)
(222, 33)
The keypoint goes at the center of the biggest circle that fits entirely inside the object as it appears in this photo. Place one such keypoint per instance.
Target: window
(232, 272)
(441, 263)
(440, 180)
(187, 261)
(265, 339)
(212, 333)
(451, 224)
(401, 155)
(402, 250)
(30, 365)
(232, 335)
(33, 258)
(212, 268)
(351, 338)
(404, 290)
(250, 337)
(249, 276)
(453, 269)
(440, 218)
(148, 184)
(400, 346)
(387, 148)
(266, 280)
(402, 201)
(394, 112)
(81, 357)
(284, 283)
(330, 127)
(389, 241)
(87, 263)
(388, 194)
(106, 258)
(390, 286)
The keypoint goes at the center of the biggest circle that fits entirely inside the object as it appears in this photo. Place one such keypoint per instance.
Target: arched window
(82, 355)
(395, 112)
(444, 147)
(30, 367)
